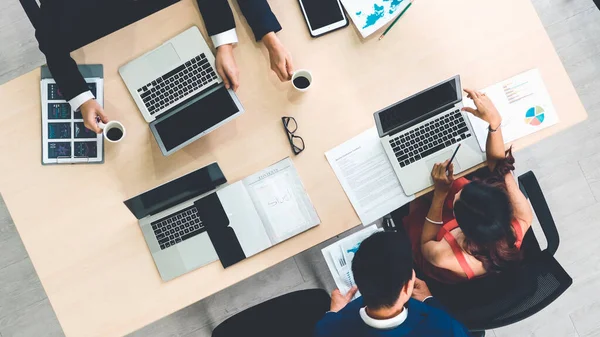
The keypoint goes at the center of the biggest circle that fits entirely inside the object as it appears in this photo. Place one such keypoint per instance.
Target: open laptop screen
(196, 118)
(420, 106)
(176, 191)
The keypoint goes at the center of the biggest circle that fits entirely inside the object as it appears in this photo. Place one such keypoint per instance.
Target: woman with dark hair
(470, 228)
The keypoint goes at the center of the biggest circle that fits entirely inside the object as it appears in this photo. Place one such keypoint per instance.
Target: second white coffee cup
(302, 79)
(113, 131)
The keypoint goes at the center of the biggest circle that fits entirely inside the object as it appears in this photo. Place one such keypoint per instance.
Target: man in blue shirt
(393, 302)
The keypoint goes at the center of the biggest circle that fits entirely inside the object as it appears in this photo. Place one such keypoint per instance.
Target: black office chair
(498, 300)
(291, 315)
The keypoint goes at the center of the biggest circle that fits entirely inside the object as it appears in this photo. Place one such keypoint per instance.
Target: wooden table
(87, 247)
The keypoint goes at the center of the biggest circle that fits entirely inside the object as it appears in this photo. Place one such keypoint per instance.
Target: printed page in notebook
(281, 200)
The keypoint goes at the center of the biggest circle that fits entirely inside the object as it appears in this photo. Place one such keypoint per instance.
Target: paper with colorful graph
(524, 104)
(370, 15)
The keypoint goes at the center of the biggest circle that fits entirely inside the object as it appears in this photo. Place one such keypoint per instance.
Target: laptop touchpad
(442, 157)
(163, 60)
(197, 251)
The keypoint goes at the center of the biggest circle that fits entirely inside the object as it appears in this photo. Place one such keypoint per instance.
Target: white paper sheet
(524, 104)
(370, 15)
(279, 197)
(339, 256)
(367, 176)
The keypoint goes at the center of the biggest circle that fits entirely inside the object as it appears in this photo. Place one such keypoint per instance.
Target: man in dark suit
(220, 25)
(394, 302)
(65, 25)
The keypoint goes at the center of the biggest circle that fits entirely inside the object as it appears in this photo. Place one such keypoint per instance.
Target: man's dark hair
(382, 266)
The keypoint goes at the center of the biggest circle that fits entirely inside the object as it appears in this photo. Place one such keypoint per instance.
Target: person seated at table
(470, 228)
(63, 21)
(220, 25)
(393, 303)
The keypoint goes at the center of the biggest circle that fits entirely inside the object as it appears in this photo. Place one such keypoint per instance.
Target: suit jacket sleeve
(218, 16)
(433, 302)
(260, 17)
(63, 68)
(458, 330)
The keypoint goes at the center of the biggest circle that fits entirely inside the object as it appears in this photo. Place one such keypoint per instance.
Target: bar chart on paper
(523, 103)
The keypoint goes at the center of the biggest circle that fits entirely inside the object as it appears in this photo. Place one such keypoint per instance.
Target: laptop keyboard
(177, 84)
(177, 227)
(429, 138)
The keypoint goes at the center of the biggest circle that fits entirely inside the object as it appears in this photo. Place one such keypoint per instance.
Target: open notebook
(257, 212)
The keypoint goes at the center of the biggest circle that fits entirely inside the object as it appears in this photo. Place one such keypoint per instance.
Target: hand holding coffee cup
(302, 79)
(113, 131)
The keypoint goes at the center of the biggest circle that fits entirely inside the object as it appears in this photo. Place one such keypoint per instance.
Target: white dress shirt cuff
(426, 298)
(227, 37)
(80, 99)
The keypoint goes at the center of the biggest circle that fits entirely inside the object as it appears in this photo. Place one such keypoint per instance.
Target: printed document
(367, 176)
(339, 256)
(524, 104)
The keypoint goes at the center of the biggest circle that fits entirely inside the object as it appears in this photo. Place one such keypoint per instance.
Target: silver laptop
(178, 91)
(176, 230)
(425, 129)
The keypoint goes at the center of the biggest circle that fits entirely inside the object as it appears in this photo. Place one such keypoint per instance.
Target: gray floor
(567, 166)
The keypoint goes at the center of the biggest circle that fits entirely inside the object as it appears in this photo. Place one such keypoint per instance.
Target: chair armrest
(532, 191)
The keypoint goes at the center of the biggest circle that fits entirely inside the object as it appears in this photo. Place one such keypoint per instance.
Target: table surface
(86, 246)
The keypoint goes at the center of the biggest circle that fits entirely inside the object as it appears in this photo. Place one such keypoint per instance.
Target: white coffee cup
(113, 131)
(299, 83)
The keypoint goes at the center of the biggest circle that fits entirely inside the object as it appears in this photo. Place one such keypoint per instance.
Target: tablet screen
(196, 118)
(322, 13)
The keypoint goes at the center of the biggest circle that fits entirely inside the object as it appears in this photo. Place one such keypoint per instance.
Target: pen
(395, 20)
(453, 155)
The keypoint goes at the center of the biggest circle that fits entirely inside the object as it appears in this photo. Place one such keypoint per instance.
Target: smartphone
(323, 16)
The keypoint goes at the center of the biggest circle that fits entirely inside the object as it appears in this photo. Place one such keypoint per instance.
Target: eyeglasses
(290, 126)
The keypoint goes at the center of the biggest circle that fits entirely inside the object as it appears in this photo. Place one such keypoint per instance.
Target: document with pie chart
(524, 104)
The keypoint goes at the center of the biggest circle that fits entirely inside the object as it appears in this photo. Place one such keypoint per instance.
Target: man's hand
(89, 110)
(281, 59)
(339, 301)
(420, 291)
(227, 68)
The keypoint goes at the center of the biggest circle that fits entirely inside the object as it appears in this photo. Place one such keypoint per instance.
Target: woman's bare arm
(488, 112)
(521, 207)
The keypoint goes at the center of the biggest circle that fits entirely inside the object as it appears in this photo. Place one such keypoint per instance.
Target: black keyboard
(429, 138)
(177, 84)
(177, 227)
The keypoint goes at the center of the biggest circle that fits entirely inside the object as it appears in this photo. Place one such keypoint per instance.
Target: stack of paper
(339, 256)
(367, 176)
(370, 15)
(524, 104)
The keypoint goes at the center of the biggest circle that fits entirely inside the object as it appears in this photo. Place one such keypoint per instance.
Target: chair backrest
(292, 315)
(501, 299)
